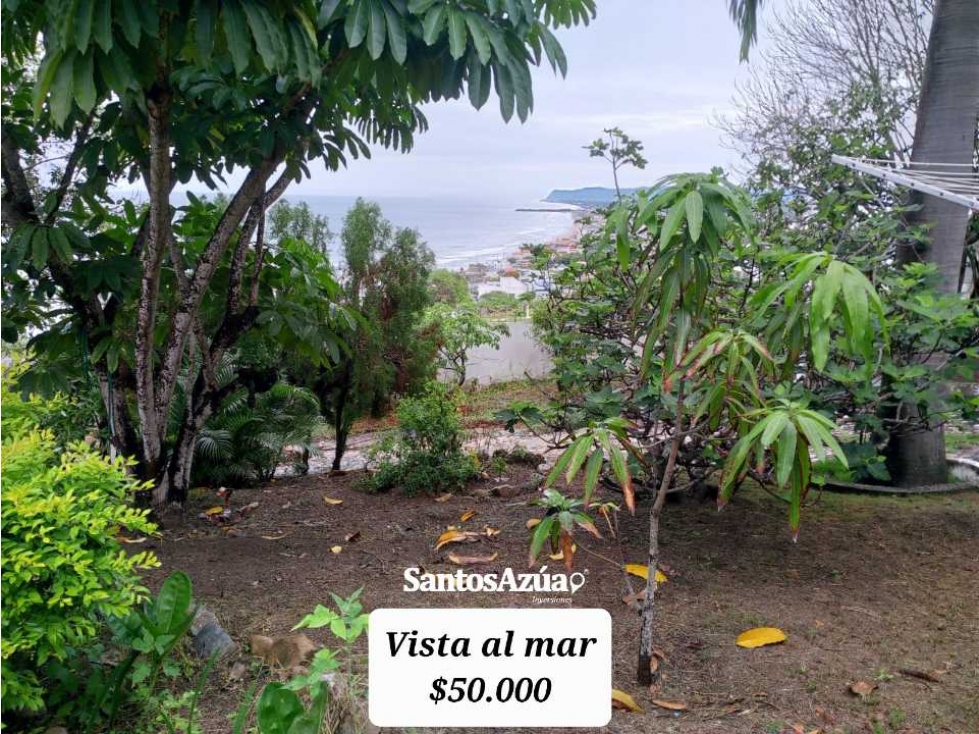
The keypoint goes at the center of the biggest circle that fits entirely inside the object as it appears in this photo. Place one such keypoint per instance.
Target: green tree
(172, 91)
(458, 330)
(449, 287)
(619, 150)
(386, 352)
(300, 223)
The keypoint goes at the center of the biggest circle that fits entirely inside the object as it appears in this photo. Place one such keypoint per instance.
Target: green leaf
(205, 21)
(377, 30)
(84, 82)
(541, 533)
(479, 83)
(328, 9)
(84, 15)
(785, 454)
(773, 427)
(433, 23)
(694, 204)
(235, 28)
(397, 40)
(562, 462)
(479, 36)
(592, 469)
(580, 453)
(59, 241)
(457, 33)
(128, 20)
(46, 74)
(102, 24)
(173, 603)
(61, 90)
(265, 32)
(277, 709)
(504, 90)
(671, 224)
(39, 248)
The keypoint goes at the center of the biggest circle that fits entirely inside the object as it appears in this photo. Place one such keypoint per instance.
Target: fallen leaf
(470, 560)
(861, 688)
(559, 556)
(760, 636)
(467, 515)
(491, 532)
(216, 510)
(332, 500)
(131, 541)
(671, 705)
(274, 537)
(622, 700)
(454, 536)
(638, 569)
(932, 677)
(533, 523)
(444, 497)
(351, 537)
(335, 550)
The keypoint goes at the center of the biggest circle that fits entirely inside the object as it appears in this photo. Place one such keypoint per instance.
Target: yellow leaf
(671, 705)
(467, 515)
(332, 501)
(532, 523)
(492, 532)
(444, 497)
(559, 556)
(131, 541)
(454, 536)
(214, 510)
(336, 549)
(637, 569)
(622, 700)
(760, 636)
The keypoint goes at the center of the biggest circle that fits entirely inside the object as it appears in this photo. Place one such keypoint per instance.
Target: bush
(425, 454)
(64, 571)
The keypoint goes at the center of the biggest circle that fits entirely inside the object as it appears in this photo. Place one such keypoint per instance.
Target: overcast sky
(659, 69)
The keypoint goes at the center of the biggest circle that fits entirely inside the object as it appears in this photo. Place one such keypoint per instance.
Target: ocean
(458, 231)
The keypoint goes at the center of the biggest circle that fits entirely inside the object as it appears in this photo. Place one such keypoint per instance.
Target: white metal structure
(956, 182)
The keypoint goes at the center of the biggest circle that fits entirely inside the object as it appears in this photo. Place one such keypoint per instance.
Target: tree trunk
(945, 133)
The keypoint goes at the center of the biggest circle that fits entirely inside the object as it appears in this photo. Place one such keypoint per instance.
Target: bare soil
(881, 590)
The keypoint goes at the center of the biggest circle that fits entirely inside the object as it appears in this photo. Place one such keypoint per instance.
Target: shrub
(425, 453)
(64, 571)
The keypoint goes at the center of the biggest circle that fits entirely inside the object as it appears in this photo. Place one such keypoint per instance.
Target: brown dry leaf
(861, 688)
(331, 500)
(335, 550)
(653, 665)
(625, 702)
(444, 497)
(931, 677)
(532, 523)
(351, 537)
(671, 705)
(491, 532)
(467, 515)
(454, 536)
(131, 541)
(282, 652)
(471, 560)
(216, 510)
(760, 636)
(274, 537)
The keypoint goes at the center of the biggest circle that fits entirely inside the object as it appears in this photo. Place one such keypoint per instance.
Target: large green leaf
(62, 89)
(84, 16)
(277, 709)
(694, 206)
(205, 21)
(128, 20)
(235, 28)
(84, 82)
(397, 39)
(173, 603)
(457, 33)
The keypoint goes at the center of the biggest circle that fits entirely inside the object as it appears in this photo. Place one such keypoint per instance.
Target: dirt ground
(881, 590)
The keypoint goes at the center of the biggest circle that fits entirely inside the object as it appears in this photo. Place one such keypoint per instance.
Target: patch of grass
(956, 441)
(481, 403)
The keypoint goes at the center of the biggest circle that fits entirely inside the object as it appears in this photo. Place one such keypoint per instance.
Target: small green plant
(280, 708)
(425, 454)
(558, 525)
(64, 570)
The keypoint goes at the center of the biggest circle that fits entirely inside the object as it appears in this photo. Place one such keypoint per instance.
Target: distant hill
(591, 196)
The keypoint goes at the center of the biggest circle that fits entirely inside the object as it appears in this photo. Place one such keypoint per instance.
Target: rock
(508, 491)
(237, 671)
(55, 730)
(208, 636)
